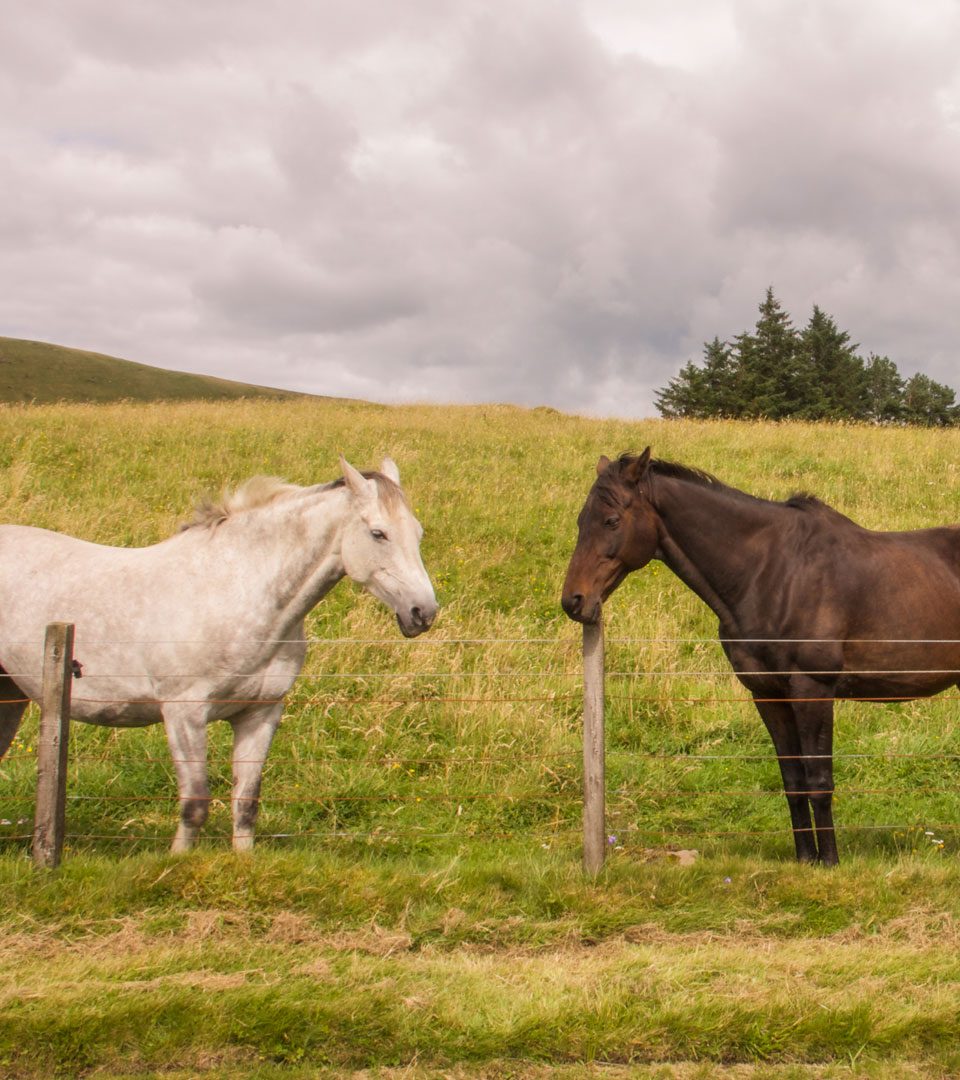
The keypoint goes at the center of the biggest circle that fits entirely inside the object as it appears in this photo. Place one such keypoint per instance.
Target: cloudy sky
(541, 201)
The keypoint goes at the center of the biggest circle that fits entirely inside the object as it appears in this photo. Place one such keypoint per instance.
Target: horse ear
(355, 479)
(634, 472)
(389, 469)
(603, 464)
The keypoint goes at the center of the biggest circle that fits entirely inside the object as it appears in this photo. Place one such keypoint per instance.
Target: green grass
(416, 903)
(37, 372)
(357, 961)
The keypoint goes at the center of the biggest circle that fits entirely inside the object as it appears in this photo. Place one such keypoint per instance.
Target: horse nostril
(572, 605)
(423, 618)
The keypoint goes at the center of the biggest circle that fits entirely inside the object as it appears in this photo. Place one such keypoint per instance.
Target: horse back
(873, 577)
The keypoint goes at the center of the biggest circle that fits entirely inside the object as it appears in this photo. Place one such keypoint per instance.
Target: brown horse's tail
(13, 702)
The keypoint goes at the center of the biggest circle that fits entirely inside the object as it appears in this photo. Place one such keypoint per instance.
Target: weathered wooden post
(594, 832)
(50, 817)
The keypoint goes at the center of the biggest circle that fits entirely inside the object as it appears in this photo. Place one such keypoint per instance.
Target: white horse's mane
(262, 490)
(255, 492)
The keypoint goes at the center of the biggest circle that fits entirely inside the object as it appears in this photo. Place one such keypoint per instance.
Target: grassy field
(415, 906)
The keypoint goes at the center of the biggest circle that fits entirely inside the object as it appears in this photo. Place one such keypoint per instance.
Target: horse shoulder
(813, 566)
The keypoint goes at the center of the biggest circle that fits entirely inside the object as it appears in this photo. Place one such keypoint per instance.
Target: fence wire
(564, 798)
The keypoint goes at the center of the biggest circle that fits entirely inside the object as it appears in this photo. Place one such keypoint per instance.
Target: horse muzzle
(417, 619)
(580, 608)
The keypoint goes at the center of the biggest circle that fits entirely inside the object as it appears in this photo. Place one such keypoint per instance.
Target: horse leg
(186, 730)
(253, 732)
(815, 726)
(779, 720)
(12, 706)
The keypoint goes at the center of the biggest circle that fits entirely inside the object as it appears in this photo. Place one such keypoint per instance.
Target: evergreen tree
(882, 391)
(702, 392)
(767, 364)
(929, 403)
(684, 394)
(831, 375)
(720, 379)
(816, 374)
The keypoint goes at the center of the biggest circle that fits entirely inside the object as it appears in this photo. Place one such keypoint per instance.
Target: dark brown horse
(812, 606)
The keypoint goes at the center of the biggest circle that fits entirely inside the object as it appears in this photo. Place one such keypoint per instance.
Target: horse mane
(801, 500)
(260, 491)
(677, 471)
(253, 493)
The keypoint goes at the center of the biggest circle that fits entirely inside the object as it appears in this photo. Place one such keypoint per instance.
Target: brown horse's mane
(801, 500)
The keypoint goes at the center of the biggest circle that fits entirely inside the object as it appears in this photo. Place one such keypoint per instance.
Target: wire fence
(545, 806)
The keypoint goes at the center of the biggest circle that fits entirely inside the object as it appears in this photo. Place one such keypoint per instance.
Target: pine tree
(775, 373)
(683, 395)
(767, 364)
(830, 374)
(720, 379)
(702, 392)
(882, 391)
(929, 403)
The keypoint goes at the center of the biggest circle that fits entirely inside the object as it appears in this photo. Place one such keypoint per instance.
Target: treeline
(778, 372)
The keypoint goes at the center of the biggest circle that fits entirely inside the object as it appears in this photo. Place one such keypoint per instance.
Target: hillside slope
(34, 371)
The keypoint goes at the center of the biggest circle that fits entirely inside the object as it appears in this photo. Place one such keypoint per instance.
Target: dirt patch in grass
(921, 928)
(375, 941)
(291, 928)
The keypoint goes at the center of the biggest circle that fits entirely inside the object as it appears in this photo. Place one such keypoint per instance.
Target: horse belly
(111, 706)
(895, 686)
(121, 717)
(899, 670)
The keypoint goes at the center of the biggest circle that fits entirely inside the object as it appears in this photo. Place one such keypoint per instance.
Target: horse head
(381, 547)
(618, 533)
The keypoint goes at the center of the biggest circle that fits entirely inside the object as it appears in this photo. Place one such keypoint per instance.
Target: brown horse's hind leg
(779, 720)
(12, 706)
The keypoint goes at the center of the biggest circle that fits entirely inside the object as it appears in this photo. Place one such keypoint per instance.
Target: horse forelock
(609, 489)
(391, 495)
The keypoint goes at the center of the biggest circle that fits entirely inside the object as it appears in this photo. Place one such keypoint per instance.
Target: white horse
(209, 624)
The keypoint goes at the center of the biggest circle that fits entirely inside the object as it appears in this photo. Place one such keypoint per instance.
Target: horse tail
(13, 703)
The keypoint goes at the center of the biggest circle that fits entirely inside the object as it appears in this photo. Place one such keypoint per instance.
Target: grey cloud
(256, 281)
(854, 140)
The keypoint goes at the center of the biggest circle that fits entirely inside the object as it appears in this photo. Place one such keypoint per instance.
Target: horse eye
(611, 523)
(378, 534)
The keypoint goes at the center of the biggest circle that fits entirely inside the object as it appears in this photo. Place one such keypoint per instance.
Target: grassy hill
(34, 371)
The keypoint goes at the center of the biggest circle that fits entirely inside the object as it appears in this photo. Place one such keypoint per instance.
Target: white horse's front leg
(253, 732)
(186, 730)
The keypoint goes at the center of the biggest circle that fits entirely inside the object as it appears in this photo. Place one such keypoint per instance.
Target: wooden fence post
(594, 832)
(50, 817)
